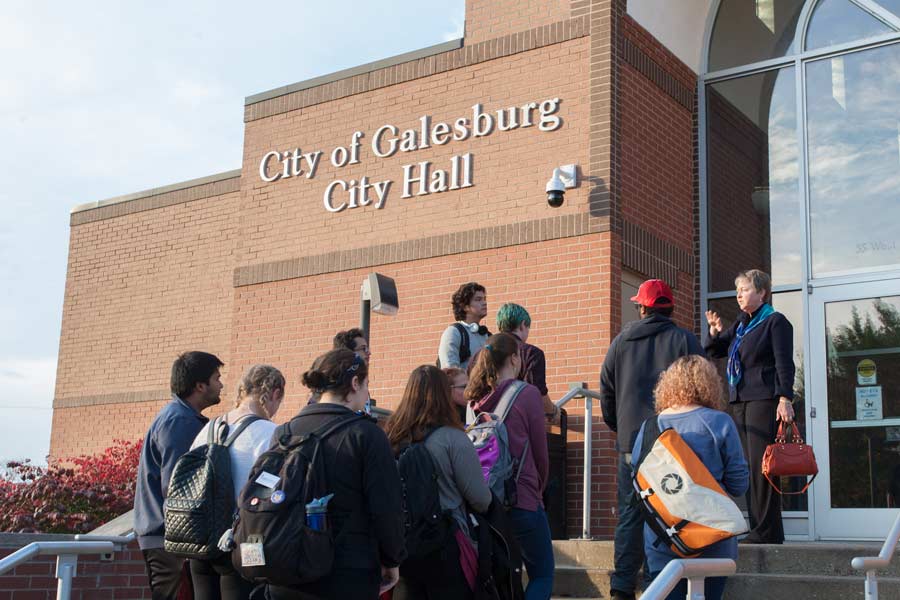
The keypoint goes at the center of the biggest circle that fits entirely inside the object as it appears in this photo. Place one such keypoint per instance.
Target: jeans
(629, 540)
(713, 588)
(532, 531)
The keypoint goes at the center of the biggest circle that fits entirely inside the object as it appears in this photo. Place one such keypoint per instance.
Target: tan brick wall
(90, 429)
(142, 288)
(287, 218)
(488, 19)
(563, 283)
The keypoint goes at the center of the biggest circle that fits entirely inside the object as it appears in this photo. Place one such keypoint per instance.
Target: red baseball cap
(655, 293)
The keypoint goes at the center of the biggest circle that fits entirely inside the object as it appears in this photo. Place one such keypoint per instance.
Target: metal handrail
(870, 563)
(119, 540)
(66, 559)
(696, 570)
(589, 396)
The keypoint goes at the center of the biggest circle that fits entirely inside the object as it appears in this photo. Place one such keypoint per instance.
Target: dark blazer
(766, 357)
(361, 471)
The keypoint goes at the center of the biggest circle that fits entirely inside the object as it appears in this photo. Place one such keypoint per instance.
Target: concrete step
(584, 553)
(746, 586)
(580, 582)
(812, 558)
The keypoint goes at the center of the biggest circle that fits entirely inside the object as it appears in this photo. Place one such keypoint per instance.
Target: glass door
(855, 404)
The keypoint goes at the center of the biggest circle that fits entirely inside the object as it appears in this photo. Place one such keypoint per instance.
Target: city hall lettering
(420, 178)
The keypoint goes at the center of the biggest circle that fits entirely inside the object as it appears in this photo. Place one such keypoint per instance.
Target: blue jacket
(170, 435)
(713, 437)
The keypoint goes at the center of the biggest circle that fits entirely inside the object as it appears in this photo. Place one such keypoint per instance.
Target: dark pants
(629, 540)
(164, 573)
(756, 425)
(532, 531)
(436, 577)
(713, 588)
(217, 580)
(342, 584)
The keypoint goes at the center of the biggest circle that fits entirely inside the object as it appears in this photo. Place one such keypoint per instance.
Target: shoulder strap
(465, 350)
(212, 434)
(651, 434)
(239, 427)
(340, 422)
(508, 398)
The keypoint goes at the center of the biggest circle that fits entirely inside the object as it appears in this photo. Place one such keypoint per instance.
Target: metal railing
(66, 559)
(870, 563)
(695, 570)
(589, 397)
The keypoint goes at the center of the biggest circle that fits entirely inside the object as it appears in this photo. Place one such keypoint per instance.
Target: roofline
(174, 187)
(344, 74)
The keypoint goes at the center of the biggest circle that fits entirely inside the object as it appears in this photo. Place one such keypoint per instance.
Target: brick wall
(287, 218)
(124, 577)
(562, 282)
(658, 189)
(488, 19)
(141, 288)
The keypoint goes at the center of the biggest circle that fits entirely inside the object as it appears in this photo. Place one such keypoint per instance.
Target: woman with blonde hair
(259, 397)
(689, 400)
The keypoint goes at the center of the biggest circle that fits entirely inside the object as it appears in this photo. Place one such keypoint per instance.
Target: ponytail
(488, 363)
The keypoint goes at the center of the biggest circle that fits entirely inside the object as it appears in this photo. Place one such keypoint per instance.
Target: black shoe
(620, 595)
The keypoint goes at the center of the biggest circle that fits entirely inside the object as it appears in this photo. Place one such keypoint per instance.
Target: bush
(73, 495)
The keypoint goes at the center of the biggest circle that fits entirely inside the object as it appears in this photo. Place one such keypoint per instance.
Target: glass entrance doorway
(855, 392)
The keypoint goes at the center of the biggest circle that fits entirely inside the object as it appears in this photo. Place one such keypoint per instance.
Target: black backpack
(427, 527)
(200, 504)
(272, 520)
(464, 350)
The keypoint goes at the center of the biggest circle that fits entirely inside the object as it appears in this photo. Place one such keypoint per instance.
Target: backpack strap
(465, 350)
(508, 398)
(239, 427)
(212, 434)
(651, 434)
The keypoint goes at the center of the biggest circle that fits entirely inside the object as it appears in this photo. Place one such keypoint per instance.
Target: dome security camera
(556, 190)
(564, 177)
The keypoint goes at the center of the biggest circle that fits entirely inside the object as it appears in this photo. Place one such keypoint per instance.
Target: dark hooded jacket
(634, 360)
(360, 468)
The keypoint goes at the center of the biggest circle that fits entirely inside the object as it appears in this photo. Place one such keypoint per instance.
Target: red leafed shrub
(73, 495)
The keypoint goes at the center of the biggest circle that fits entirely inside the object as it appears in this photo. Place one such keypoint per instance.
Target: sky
(102, 98)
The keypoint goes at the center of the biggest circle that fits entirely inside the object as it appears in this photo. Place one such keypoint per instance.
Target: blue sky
(104, 98)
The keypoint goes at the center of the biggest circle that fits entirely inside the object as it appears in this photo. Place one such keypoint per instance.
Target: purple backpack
(491, 440)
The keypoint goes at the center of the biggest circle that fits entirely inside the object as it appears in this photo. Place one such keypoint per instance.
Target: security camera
(556, 190)
(563, 178)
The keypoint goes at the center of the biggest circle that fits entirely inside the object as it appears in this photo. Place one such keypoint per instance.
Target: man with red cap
(634, 360)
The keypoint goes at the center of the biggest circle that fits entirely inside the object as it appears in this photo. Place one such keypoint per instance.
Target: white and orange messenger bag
(683, 504)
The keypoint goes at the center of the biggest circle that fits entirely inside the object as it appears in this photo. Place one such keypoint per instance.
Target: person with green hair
(514, 319)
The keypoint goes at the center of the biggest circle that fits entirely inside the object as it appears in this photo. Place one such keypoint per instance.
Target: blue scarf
(734, 370)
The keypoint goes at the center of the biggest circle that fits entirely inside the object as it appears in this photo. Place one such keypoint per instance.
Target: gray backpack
(491, 440)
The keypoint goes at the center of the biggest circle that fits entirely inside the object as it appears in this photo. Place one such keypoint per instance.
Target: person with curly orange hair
(689, 400)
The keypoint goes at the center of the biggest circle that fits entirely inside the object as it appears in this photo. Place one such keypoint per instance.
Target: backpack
(427, 527)
(684, 505)
(489, 436)
(274, 544)
(200, 503)
(499, 556)
(465, 350)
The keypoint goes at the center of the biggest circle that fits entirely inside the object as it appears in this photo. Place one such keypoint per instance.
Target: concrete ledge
(486, 238)
(185, 191)
(118, 398)
(345, 73)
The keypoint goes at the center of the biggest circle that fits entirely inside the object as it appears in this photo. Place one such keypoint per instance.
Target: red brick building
(430, 168)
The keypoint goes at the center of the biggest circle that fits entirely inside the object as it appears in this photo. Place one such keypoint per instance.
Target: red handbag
(789, 459)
